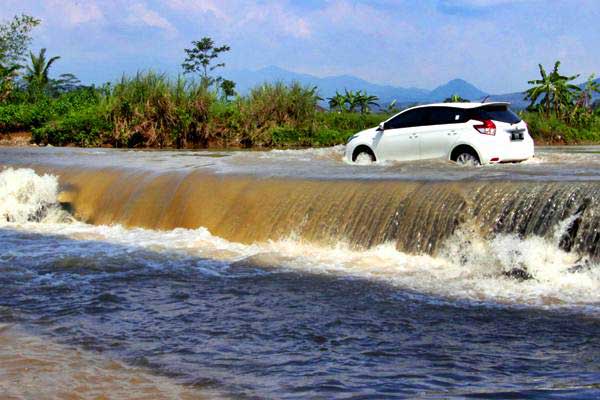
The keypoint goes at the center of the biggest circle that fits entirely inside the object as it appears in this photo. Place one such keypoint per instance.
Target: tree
(391, 108)
(37, 74)
(14, 40)
(201, 58)
(556, 91)
(591, 86)
(228, 88)
(365, 101)
(455, 98)
(351, 100)
(337, 102)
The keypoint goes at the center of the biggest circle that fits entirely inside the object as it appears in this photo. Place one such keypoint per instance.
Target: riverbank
(151, 111)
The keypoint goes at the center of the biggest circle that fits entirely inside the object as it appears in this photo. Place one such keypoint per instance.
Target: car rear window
(497, 113)
(446, 115)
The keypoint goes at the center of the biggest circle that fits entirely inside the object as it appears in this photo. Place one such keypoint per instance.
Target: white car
(467, 133)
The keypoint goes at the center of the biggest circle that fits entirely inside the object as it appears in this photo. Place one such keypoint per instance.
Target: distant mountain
(456, 86)
(516, 99)
(245, 80)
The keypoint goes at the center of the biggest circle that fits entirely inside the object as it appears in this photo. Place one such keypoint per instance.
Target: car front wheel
(364, 158)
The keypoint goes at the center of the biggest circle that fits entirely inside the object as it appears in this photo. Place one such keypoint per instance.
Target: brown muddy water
(291, 274)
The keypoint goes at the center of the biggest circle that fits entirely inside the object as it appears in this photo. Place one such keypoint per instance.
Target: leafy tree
(14, 40)
(228, 88)
(201, 58)
(455, 98)
(65, 83)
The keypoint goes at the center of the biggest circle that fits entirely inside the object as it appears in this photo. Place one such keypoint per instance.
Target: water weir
(416, 216)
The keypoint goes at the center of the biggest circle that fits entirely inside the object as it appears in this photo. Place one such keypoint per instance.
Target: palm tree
(37, 75)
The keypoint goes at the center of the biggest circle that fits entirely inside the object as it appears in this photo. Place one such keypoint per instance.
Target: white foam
(468, 267)
(26, 196)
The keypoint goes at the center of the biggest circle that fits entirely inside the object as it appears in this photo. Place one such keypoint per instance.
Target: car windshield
(497, 112)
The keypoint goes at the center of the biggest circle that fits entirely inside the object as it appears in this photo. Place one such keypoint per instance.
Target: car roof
(463, 105)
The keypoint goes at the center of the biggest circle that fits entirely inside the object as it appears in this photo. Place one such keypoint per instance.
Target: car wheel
(364, 158)
(467, 159)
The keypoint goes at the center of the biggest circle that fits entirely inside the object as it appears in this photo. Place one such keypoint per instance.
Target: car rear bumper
(501, 149)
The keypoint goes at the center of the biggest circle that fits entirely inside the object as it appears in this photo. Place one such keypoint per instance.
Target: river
(292, 274)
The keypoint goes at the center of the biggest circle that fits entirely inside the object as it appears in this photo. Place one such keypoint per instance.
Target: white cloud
(275, 17)
(139, 13)
(76, 12)
(204, 6)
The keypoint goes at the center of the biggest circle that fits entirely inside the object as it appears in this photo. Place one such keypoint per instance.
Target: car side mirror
(380, 127)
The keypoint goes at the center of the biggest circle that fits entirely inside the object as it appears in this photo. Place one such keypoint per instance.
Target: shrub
(275, 105)
(83, 127)
(554, 130)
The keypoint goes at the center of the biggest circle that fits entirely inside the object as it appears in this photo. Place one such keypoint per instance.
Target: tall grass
(150, 110)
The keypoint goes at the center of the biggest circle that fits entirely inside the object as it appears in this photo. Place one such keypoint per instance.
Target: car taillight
(487, 127)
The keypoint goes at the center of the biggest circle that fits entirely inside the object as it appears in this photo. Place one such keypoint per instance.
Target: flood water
(291, 274)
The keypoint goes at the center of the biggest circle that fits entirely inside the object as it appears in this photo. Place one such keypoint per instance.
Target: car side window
(447, 115)
(416, 117)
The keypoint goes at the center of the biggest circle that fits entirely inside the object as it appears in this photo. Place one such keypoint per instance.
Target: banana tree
(365, 101)
(591, 86)
(337, 102)
(7, 76)
(455, 98)
(556, 91)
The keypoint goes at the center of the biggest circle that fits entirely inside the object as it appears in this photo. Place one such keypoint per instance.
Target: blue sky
(495, 44)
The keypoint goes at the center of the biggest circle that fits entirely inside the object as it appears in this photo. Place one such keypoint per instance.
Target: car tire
(364, 157)
(467, 159)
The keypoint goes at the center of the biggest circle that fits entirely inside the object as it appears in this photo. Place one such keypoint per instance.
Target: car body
(468, 133)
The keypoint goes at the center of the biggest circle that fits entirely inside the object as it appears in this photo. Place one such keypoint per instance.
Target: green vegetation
(455, 99)
(560, 111)
(352, 101)
(151, 110)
